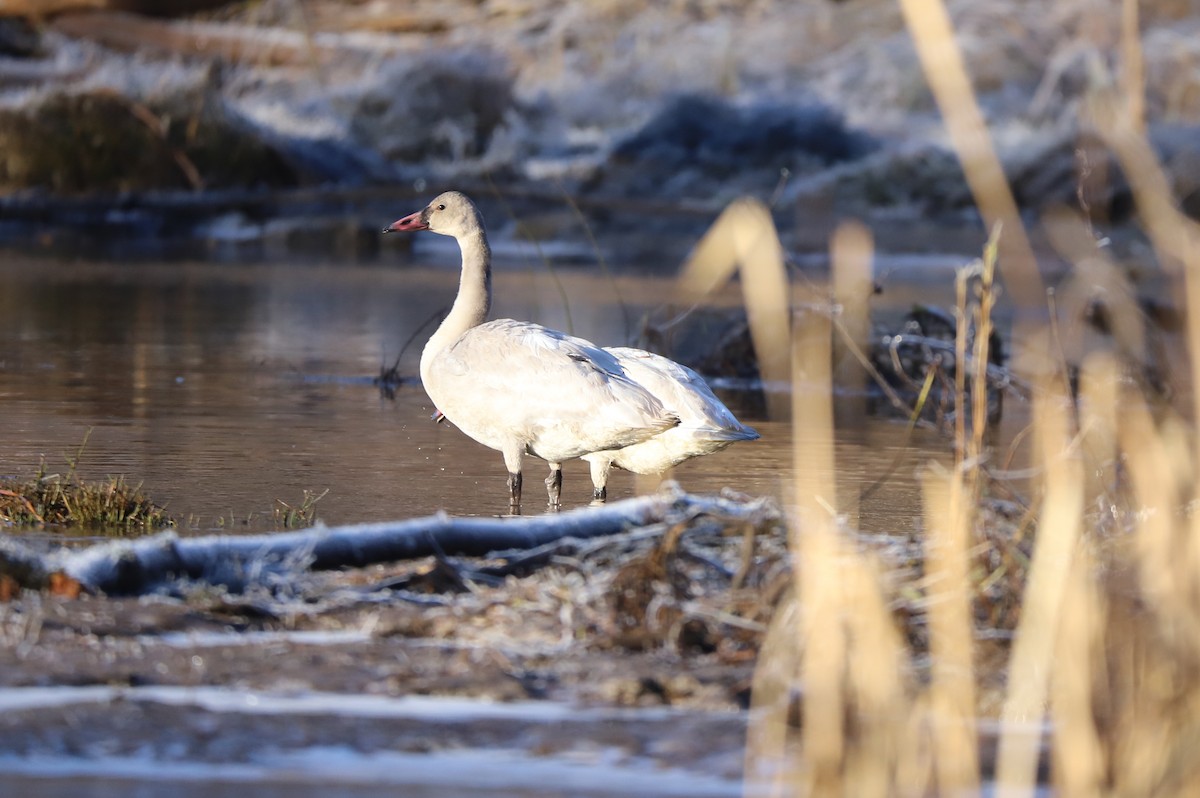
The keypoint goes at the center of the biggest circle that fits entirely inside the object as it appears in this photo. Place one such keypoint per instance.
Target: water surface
(223, 387)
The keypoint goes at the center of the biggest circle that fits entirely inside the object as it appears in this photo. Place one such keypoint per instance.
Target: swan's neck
(474, 298)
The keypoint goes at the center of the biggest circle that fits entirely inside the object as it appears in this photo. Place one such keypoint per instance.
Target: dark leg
(514, 491)
(554, 484)
(600, 467)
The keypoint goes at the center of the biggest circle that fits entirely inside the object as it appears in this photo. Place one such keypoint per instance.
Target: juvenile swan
(518, 387)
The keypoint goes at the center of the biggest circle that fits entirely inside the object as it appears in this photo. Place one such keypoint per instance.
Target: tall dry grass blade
(1151, 469)
(806, 637)
(1154, 699)
(915, 765)
(1032, 656)
(948, 524)
(766, 289)
(744, 236)
(1099, 405)
(813, 464)
(962, 332)
(942, 63)
(851, 251)
(714, 259)
(984, 307)
(772, 687)
(814, 545)
(1176, 241)
(1133, 68)
(876, 663)
(1078, 757)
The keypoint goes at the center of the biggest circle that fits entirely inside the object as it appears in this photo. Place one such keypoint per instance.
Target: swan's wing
(682, 391)
(562, 394)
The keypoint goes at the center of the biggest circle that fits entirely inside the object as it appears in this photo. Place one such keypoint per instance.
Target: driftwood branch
(128, 568)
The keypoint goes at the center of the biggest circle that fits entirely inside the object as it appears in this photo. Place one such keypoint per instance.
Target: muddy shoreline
(218, 681)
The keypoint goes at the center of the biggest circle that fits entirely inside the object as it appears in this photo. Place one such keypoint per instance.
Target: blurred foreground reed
(1059, 647)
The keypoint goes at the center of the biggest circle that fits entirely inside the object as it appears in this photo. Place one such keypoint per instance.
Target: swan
(706, 425)
(518, 387)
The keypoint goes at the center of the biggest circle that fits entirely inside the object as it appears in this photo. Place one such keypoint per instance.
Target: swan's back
(557, 396)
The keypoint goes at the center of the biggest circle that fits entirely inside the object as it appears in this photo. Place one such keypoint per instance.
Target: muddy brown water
(223, 387)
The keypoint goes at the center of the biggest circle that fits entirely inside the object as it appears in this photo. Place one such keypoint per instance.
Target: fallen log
(236, 563)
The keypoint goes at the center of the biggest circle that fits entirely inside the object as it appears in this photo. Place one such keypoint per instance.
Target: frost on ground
(545, 93)
(632, 652)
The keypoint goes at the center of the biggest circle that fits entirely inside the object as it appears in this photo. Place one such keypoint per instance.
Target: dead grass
(65, 501)
(1072, 619)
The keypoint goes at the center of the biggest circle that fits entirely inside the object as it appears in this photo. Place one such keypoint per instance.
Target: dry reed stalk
(949, 514)
(1152, 464)
(817, 559)
(1175, 237)
(1150, 708)
(851, 250)
(833, 631)
(1032, 656)
(877, 673)
(950, 501)
(1109, 628)
(768, 746)
(961, 336)
(982, 311)
(1099, 404)
(1133, 67)
(744, 238)
(1078, 756)
(942, 63)
(1146, 704)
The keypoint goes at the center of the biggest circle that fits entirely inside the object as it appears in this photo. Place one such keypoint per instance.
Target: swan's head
(450, 214)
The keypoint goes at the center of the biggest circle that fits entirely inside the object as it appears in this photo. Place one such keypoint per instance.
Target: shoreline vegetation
(64, 502)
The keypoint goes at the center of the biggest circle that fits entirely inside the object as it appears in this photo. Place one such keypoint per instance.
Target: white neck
(474, 298)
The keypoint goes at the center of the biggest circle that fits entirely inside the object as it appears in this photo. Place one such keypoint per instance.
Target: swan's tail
(742, 433)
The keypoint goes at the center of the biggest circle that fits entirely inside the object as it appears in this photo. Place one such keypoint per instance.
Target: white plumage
(523, 389)
(705, 424)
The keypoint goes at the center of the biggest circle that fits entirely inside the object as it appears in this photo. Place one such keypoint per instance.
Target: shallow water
(223, 387)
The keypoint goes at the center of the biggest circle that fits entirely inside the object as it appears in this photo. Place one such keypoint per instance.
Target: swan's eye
(441, 207)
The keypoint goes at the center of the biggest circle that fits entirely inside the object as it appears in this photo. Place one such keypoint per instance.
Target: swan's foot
(600, 494)
(554, 486)
(514, 491)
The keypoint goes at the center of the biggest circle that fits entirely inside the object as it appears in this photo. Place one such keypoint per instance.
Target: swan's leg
(600, 468)
(554, 484)
(514, 490)
(512, 460)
